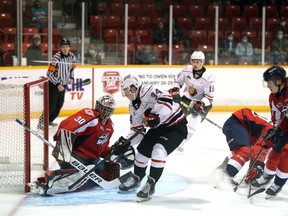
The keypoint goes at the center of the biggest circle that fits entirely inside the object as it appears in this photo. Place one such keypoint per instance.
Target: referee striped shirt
(61, 69)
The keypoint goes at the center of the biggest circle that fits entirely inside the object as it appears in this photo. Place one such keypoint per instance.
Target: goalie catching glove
(151, 120)
(121, 146)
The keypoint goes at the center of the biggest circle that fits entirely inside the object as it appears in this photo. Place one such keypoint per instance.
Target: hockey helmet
(130, 81)
(274, 73)
(105, 105)
(65, 41)
(198, 55)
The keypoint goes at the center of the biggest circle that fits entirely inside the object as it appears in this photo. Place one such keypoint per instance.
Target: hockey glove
(121, 146)
(151, 119)
(197, 107)
(272, 135)
(255, 172)
(174, 92)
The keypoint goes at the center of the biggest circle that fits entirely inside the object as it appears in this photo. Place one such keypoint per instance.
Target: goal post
(23, 157)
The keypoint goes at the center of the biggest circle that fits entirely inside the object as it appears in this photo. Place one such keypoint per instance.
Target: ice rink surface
(185, 188)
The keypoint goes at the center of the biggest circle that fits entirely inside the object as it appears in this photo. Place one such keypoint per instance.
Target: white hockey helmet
(198, 55)
(105, 105)
(130, 81)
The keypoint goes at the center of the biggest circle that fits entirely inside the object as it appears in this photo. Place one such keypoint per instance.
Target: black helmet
(64, 41)
(274, 73)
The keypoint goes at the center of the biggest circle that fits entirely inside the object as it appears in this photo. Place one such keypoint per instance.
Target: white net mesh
(14, 145)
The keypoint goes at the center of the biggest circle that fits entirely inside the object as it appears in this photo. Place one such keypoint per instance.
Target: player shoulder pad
(209, 76)
(187, 68)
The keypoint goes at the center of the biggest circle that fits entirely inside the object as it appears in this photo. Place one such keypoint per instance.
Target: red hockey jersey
(92, 138)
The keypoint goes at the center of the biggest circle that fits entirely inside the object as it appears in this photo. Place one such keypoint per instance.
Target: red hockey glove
(120, 146)
(151, 119)
(272, 135)
(174, 92)
(197, 107)
(255, 172)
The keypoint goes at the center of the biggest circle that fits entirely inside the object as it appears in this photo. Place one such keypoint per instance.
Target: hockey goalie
(82, 143)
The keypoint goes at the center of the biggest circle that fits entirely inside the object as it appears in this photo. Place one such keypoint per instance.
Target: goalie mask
(130, 86)
(105, 106)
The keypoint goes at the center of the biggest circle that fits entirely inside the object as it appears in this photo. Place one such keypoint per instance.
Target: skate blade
(269, 196)
(127, 192)
(139, 200)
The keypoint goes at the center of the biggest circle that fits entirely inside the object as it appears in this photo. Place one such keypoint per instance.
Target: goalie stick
(254, 161)
(82, 168)
(89, 173)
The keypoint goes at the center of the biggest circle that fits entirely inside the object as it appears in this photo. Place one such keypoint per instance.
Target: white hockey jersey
(203, 87)
(160, 102)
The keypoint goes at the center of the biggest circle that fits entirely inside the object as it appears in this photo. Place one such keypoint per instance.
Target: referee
(60, 73)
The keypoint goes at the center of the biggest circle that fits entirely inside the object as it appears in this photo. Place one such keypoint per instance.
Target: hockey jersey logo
(102, 139)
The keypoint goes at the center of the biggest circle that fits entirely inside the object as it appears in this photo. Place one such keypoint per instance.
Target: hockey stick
(82, 168)
(260, 190)
(204, 117)
(254, 161)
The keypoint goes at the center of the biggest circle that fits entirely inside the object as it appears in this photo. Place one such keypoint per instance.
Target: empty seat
(111, 35)
(179, 10)
(132, 22)
(117, 9)
(135, 9)
(10, 34)
(250, 11)
(255, 24)
(143, 22)
(273, 24)
(211, 11)
(202, 23)
(211, 37)
(130, 35)
(197, 37)
(142, 36)
(28, 34)
(96, 25)
(196, 11)
(6, 20)
(185, 22)
(151, 10)
(284, 11)
(238, 24)
(56, 37)
(113, 22)
(223, 24)
(232, 11)
(271, 11)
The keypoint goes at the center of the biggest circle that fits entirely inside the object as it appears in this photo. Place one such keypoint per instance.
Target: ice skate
(263, 180)
(181, 147)
(222, 180)
(147, 191)
(37, 187)
(130, 185)
(272, 191)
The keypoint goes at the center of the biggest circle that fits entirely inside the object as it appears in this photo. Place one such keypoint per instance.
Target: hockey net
(22, 155)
